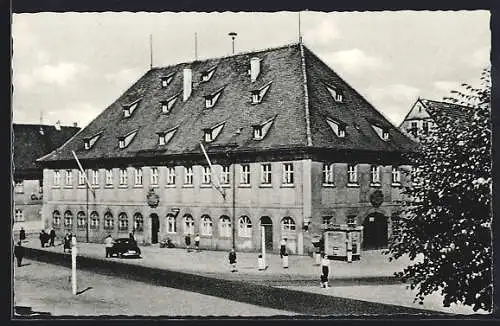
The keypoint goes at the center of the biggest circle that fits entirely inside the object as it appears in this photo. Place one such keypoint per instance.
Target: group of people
(187, 240)
(47, 238)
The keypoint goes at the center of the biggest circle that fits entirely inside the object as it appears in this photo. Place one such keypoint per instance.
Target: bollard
(284, 260)
(262, 265)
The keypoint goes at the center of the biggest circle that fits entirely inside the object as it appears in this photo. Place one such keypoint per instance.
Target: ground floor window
(109, 222)
(56, 218)
(138, 222)
(19, 217)
(206, 225)
(94, 220)
(122, 221)
(171, 228)
(68, 218)
(245, 227)
(188, 224)
(287, 227)
(80, 219)
(225, 226)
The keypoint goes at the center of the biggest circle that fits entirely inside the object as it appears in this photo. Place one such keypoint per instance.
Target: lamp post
(233, 36)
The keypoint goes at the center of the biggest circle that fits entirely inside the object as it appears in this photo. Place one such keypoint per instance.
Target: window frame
(225, 227)
(138, 177)
(206, 177)
(94, 220)
(352, 173)
(266, 174)
(109, 177)
(206, 226)
(247, 230)
(288, 177)
(123, 222)
(57, 178)
(396, 176)
(19, 215)
(171, 224)
(225, 174)
(328, 174)
(123, 174)
(188, 175)
(171, 176)
(245, 174)
(138, 219)
(375, 176)
(188, 224)
(154, 176)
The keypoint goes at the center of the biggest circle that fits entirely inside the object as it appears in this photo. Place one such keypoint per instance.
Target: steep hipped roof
(30, 144)
(447, 109)
(298, 123)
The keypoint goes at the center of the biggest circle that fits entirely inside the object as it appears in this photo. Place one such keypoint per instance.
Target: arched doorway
(155, 227)
(267, 223)
(375, 231)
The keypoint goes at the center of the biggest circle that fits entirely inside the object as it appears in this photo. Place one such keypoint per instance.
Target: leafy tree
(445, 224)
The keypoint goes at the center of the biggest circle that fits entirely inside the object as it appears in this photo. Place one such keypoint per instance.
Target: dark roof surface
(285, 100)
(29, 144)
(447, 109)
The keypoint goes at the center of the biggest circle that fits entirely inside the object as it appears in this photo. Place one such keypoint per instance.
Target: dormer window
(212, 133)
(382, 132)
(335, 93)
(211, 99)
(206, 75)
(127, 139)
(258, 94)
(130, 108)
(165, 80)
(164, 137)
(337, 127)
(166, 106)
(89, 142)
(260, 131)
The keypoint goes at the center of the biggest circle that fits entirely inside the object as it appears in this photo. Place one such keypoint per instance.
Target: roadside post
(74, 252)
(262, 259)
(349, 248)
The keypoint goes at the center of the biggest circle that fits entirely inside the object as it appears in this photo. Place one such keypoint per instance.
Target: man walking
(108, 243)
(187, 239)
(52, 235)
(19, 253)
(283, 247)
(22, 235)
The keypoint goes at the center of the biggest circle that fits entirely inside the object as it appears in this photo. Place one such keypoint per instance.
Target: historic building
(293, 147)
(421, 117)
(31, 142)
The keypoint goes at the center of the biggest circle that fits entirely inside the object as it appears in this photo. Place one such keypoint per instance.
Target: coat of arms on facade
(376, 198)
(152, 198)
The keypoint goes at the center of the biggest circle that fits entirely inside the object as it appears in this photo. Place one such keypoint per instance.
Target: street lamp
(233, 36)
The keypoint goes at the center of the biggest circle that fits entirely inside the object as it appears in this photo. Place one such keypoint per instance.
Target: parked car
(125, 247)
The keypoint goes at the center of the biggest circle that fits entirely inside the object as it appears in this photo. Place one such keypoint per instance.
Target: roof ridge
(40, 125)
(228, 56)
(306, 95)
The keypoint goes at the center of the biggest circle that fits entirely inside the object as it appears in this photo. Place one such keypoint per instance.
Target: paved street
(47, 288)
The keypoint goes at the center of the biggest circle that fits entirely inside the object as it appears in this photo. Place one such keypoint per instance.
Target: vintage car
(125, 247)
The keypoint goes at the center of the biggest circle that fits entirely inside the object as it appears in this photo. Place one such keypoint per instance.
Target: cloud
(61, 74)
(481, 57)
(125, 76)
(395, 92)
(80, 112)
(353, 61)
(446, 86)
(322, 33)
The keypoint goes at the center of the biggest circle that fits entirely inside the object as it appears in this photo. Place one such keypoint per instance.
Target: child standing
(232, 260)
(325, 268)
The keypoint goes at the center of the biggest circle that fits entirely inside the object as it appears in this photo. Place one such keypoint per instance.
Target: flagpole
(87, 191)
(218, 186)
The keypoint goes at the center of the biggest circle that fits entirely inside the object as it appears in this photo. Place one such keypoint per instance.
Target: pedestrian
(283, 247)
(67, 243)
(108, 243)
(22, 235)
(232, 260)
(52, 235)
(43, 238)
(131, 237)
(187, 239)
(325, 267)
(197, 242)
(19, 253)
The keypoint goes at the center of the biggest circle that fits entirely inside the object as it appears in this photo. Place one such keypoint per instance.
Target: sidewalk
(372, 265)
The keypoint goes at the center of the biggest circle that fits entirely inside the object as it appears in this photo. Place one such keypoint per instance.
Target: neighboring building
(421, 117)
(295, 144)
(32, 142)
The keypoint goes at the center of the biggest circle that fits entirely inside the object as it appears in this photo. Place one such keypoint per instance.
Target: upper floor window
(265, 173)
(212, 133)
(170, 176)
(188, 175)
(129, 109)
(81, 178)
(335, 93)
(109, 177)
(206, 75)
(19, 187)
(57, 177)
(260, 131)
(123, 177)
(258, 94)
(95, 177)
(126, 140)
(89, 142)
(425, 127)
(206, 175)
(225, 174)
(396, 175)
(211, 99)
(166, 106)
(375, 174)
(154, 176)
(337, 127)
(328, 176)
(164, 137)
(138, 176)
(166, 80)
(69, 177)
(382, 132)
(288, 173)
(245, 174)
(352, 173)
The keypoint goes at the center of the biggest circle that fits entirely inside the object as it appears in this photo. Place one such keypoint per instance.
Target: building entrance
(155, 228)
(375, 231)
(267, 223)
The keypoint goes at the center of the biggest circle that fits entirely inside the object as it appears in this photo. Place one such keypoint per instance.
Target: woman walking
(325, 269)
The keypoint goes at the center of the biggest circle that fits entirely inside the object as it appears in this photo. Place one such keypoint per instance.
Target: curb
(236, 290)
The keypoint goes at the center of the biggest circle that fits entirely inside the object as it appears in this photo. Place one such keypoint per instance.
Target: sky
(72, 66)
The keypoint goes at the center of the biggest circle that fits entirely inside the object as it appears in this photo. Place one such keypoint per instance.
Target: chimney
(75, 124)
(58, 125)
(254, 68)
(187, 82)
